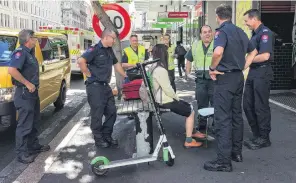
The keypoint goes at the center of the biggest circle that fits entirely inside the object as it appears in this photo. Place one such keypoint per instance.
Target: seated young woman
(167, 98)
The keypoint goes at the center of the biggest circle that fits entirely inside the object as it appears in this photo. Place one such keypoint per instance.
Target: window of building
(15, 22)
(8, 20)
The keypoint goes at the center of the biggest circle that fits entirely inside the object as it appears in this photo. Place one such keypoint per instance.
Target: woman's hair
(161, 51)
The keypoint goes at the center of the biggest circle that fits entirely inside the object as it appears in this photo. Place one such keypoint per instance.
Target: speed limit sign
(119, 17)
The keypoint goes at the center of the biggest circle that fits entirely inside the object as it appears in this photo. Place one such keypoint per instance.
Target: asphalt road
(52, 122)
(271, 165)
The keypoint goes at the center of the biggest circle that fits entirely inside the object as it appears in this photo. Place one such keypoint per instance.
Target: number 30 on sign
(119, 17)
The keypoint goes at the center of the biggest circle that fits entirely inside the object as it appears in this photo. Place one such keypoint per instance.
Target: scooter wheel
(95, 168)
(170, 161)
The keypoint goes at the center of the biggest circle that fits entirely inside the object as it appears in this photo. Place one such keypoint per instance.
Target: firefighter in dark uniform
(257, 87)
(231, 45)
(96, 63)
(24, 69)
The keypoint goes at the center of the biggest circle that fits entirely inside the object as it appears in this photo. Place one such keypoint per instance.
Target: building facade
(29, 14)
(74, 14)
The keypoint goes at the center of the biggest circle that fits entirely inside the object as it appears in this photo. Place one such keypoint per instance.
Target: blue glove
(126, 80)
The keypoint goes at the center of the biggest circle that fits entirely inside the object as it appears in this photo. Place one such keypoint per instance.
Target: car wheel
(60, 102)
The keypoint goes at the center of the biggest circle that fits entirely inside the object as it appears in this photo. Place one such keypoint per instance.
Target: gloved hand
(126, 80)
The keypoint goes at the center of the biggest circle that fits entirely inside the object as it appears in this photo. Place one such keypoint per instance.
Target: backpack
(143, 92)
(181, 51)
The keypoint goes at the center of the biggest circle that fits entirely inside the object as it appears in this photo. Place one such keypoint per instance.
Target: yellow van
(52, 53)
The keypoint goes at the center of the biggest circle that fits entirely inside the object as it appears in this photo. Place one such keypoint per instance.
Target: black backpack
(181, 51)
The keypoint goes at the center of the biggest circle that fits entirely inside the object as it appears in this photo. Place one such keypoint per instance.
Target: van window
(60, 47)
(87, 43)
(45, 48)
(7, 46)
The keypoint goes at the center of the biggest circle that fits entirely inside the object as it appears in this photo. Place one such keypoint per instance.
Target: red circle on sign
(122, 11)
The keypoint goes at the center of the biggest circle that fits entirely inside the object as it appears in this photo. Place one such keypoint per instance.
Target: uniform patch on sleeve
(90, 49)
(17, 55)
(264, 38)
(217, 34)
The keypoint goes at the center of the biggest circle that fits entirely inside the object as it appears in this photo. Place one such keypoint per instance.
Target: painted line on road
(35, 171)
(282, 105)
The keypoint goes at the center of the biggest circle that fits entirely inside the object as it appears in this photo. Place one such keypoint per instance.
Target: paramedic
(96, 63)
(201, 57)
(171, 60)
(134, 54)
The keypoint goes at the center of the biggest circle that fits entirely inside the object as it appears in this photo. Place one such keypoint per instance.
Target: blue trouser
(204, 96)
(102, 102)
(256, 100)
(28, 107)
(228, 91)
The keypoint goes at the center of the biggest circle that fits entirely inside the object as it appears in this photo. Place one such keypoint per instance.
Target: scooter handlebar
(144, 64)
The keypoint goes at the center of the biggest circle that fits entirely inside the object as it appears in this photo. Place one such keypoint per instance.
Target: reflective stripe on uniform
(171, 62)
(200, 62)
(132, 57)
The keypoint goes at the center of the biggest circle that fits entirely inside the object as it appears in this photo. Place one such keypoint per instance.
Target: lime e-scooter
(101, 164)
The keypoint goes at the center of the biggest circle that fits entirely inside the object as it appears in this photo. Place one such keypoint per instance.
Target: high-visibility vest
(132, 57)
(171, 61)
(202, 61)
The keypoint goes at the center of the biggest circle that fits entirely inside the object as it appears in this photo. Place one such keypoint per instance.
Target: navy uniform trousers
(102, 102)
(256, 100)
(28, 107)
(228, 90)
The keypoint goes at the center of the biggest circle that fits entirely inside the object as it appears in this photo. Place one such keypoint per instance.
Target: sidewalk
(72, 152)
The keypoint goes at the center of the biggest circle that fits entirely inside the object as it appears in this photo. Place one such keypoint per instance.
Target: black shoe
(217, 165)
(39, 149)
(101, 143)
(26, 159)
(111, 141)
(236, 157)
(259, 143)
(250, 140)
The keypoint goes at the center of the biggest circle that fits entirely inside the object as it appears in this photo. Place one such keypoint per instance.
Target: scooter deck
(130, 161)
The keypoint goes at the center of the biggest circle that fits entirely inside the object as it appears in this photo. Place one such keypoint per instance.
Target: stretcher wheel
(95, 166)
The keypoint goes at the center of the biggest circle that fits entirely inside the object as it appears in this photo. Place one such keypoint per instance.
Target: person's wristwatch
(211, 69)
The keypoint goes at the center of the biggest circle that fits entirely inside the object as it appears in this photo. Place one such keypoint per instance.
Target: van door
(49, 72)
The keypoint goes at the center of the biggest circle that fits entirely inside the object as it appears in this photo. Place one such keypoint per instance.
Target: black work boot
(251, 140)
(101, 143)
(110, 140)
(218, 166)
(26, 159)
(237, 157)
(39, 149)
(259, 143)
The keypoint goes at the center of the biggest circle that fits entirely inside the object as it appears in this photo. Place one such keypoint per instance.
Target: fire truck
(79, 40)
